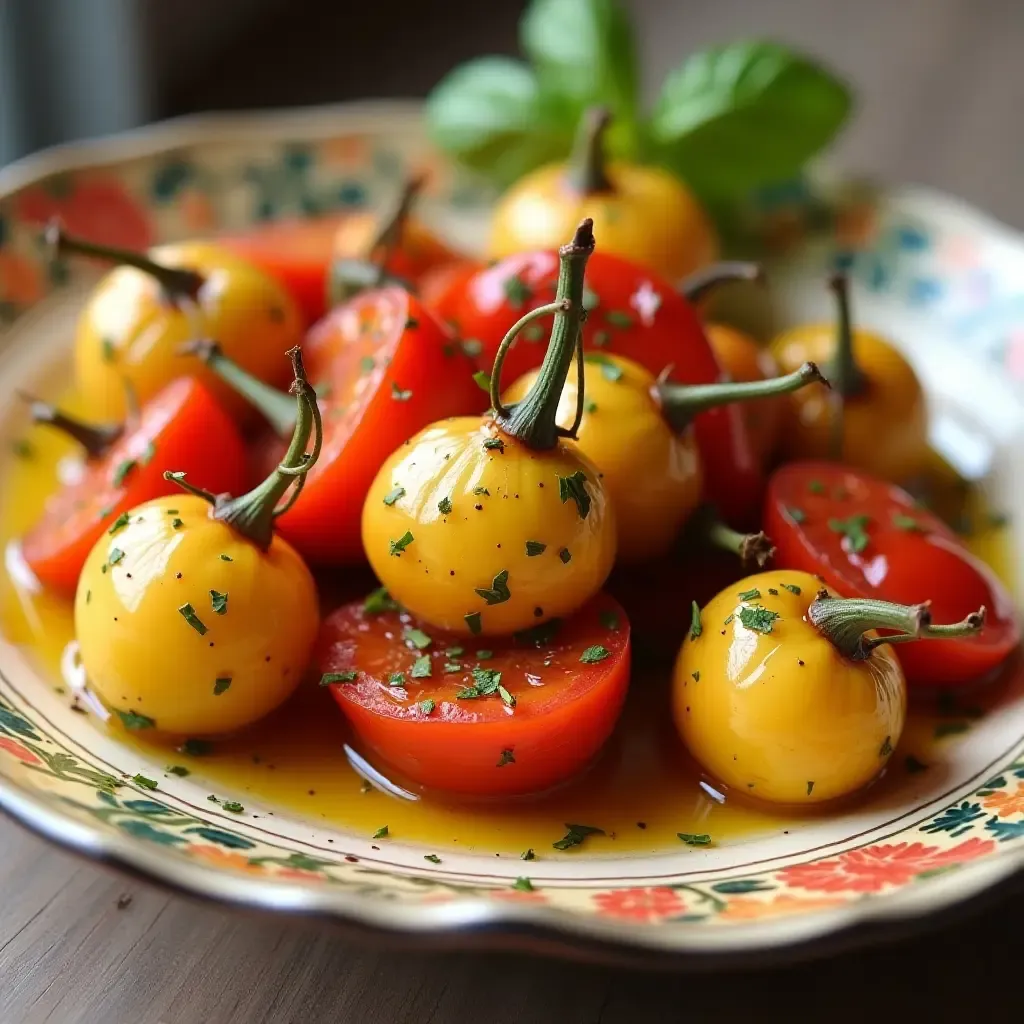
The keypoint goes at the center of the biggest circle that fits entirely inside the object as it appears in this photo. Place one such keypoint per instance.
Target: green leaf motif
(15, 725)
(221, 838)
(143, 830)
(738, 886)
(489, 114)
(744, 115)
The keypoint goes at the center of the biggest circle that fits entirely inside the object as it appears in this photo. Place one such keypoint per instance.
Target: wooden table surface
(940, 85)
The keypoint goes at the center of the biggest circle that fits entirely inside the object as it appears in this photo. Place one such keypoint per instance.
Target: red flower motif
(874, 867)
(640, 904)
(22, 753)
(98, 209)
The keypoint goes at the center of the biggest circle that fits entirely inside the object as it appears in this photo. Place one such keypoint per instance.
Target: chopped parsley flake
(116, 554)
(381, 833)
(226, 558)
(810, 788)
(366, 364)
(696, 676)
(517, 291)
(498, 592)
(141, 780)
(233, 806)
(451, 666)
(393, 495)
(177, 524)
(906, 523)
(495, 443)
(575, 836)
(427, 706)
(758, 618)
(338, 677)
(773, 592)
(522, 884)
(796, 514)
(433, 858)
(195, 748)
(565, 555)
(791, 587)
(482, 490)
(133, 720)
(507, 757)
(695, 625)
(472, 347)
(219, 602)
(484, 655)
(695, 839)
(221, 685)
(592, 655)
(816, 487)
(148, 454)
(473, 623)
(750, 595)
(483, 380)
(189, 614)
(575, 487)
(398, 546)
(119, 523)
(886, 748)
(506, 698)
(421, 667)
(528, 854)
(177, 769)
(122, 470)
(853, 530)
(535, 547)
(379, 601)
(107, 350)
(619, 319)
(444, 506)
(610, 370)
(398, 394)
(396, 679)
(590, 405)
(415, 637)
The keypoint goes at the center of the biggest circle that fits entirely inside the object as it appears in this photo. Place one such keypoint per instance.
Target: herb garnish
(886, 748)
(575, 487)
(750, 595)
(517, 291)
(482, 490)
(398, 546)
(506, 698)
(482, 379)
(791, 587)
(141, 780)
(195, 748)
(381, 833)
(433, 858)
(535, 547)
(133, 720)
(617, 318)
(609, 619)
(421, 667)
(427, 706)
(484, 655)
(695, 839)
(695, 625)
(415, 637)
(366, 365)
(177, 769)
(398, 394)
(226, 558)
(451, 666)
(610, 370)
(906, 523)
(696, 676)
(576, 835)
(379, 601)
(528, 854)
(233, 806)
(116, 554)
(592, 655)
(338, 677)
(219, 602)
(119, 523)
(396, 679)
(393, 495)
(507, 757)
(444, 506)
(498, 592)
(589, 405)
(177, 524)
(192, 619)
(121, 470)
(758, 618)
(565, 555)
(221, 685)
(853, 530)
(473, 623)
(495, 443)
(810, 788)
(148, 454)
(522, 884)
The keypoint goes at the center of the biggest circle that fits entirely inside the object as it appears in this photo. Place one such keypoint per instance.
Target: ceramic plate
(938, 277)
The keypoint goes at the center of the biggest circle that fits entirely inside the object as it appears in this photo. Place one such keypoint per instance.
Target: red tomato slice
(638, 315)
(910, 556)
(391, 369)
(566, 700)
(181, 428)
(297, 253)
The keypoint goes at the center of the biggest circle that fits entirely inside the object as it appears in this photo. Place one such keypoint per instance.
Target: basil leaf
(584, 51)
(489, 115)
(748, 114)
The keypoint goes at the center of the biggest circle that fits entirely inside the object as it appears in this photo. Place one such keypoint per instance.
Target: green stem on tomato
(844, 621)
(276, 406)
(754, 550)
(701, 283)
(96, 441)
(682, 403)
(389, 237)
(253, 514)
(534, 420)
(178, 283)
(848, 378)
(587, 172)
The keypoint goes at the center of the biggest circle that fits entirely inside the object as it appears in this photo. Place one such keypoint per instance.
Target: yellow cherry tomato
(237, 651)
(491, 525)
(652, 473)
(884, 428)
(642, 213)
(637, 432)
(133, 327)
(772, 708)
(198, 620)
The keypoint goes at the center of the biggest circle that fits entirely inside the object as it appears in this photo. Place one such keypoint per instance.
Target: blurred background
(939, 82)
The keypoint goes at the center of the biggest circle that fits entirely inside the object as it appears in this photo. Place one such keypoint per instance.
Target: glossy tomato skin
(911, 556)
(441, 287)
(297, 253)
(391, 369)
(183, 427)
(565, 709)
(638, 315)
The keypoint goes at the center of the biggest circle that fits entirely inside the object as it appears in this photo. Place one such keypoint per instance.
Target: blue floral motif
(955, 820)
(1005, 830)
